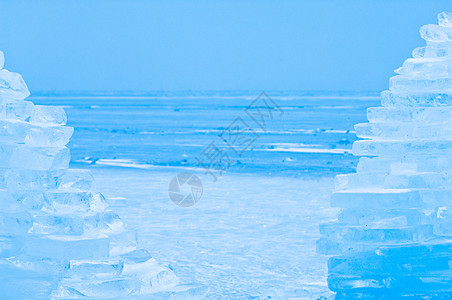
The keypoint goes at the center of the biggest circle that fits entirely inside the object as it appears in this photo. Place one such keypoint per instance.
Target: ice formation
(393, 237)
(58, 240)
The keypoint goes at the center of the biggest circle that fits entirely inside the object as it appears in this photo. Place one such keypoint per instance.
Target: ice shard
(393, 237)
(58, 239)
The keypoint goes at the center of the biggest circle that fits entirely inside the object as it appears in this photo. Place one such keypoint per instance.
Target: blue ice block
(57, 238)
(392, 239)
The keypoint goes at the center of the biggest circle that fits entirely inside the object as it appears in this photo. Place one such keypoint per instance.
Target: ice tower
(393, 237)
(58, 240)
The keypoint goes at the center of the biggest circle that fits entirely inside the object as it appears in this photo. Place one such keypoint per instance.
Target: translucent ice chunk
(418, 52)
(438, 49)
(445, 19)
(48, 115)
(372, 263)
(27, 180)
(123, 242)
(137, 256)
(409, 84)
(403, 131)
(20, 201)
(405, 165)
(7, 247)
(46, 224)
(403, 168)
(152, 276)
(163, 279)
(394, 198)
(13, 132)
(12, 223)
(64, 247)
(49, 136)
(396, 148)
(377, 199)
(24, 132)
(443, 228)
(20, 110)
(25, 267)
(70, 224)
(86, 269)
(410, 283)
(382, 219)
(28, 288)
(66, 202)
(12, 87)
(364, 234)
(426, 180)
(432, 32)
(26, 278)
(354, 181)
(373, 165)
(34, 158)
(329, 247)
(425, 115)
(411, 179)
(107, 221)
(389, 294)
(443, 221)
(76, 179)
(2, 60)
(415, 99)
(111, 288)
(113, 280)
(427, 67)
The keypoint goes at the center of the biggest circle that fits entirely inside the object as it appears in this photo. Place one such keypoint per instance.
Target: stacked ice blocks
(58, 240)
(393, 237)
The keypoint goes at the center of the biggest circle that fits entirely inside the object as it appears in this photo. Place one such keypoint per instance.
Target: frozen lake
(313, 136)
(252, 235)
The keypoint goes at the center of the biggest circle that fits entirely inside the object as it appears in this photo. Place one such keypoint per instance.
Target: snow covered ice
(393, 237)
(58, 240)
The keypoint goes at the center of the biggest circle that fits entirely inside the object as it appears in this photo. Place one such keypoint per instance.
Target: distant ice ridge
(393, 237)
(58, 240)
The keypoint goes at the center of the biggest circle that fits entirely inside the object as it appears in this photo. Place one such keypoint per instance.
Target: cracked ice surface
(249, 235)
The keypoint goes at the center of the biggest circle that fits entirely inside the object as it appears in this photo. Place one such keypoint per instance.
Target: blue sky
(114, 45)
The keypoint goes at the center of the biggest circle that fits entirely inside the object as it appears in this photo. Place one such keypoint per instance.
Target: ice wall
(393, 236)
(58, 240)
